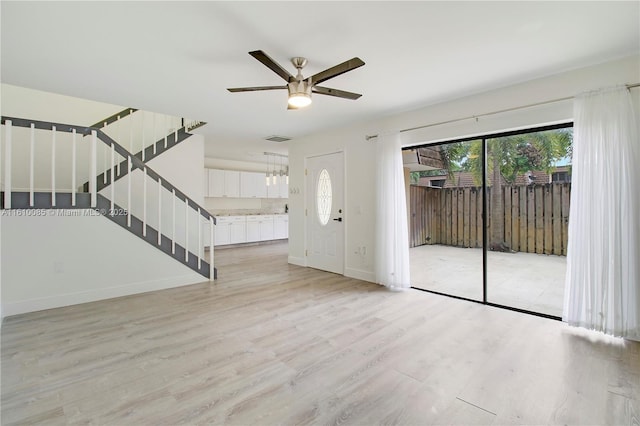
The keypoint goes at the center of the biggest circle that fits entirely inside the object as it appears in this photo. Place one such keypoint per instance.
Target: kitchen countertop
(246, 214)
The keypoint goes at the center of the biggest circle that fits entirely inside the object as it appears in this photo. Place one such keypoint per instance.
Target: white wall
(21, 102)
(55, 261)
(360, 154)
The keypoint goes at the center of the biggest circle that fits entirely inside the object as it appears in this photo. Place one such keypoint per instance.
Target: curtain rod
(440, 123)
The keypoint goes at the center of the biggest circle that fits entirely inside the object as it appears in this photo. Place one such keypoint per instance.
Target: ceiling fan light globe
(299, 100)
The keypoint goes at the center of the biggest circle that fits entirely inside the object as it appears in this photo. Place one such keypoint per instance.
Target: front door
(325, 212)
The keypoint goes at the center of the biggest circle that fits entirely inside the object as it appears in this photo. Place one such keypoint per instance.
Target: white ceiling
(178, 57)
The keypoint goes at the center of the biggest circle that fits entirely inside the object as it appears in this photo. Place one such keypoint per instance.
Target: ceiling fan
(300, 88)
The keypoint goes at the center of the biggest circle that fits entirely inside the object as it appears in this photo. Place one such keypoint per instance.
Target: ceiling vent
(276, 138)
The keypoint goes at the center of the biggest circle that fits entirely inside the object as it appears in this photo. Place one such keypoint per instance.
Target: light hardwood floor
(272, 343)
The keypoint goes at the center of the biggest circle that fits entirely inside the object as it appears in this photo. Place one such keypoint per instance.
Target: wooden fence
(535, 221)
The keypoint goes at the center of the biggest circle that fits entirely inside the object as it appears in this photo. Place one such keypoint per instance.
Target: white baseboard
(299, 261)
(360, 274)
(58, 301)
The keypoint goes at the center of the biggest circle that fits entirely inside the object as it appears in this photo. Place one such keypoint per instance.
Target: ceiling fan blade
(339, 69)
(335, 92)
(254, 89)
(271, 64)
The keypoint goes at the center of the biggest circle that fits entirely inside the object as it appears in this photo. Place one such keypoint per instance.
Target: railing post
(105, 162)
(173, 226)
(177, 126)
(186, 229)
(199, 239)
(130, 131)
(129, 173)
(153, 134)
(144, 203)
(211, 235)
(53, 166)
(32, 154)
(143, 135)
(94, 169)
(159, 211)
(120, 142)
(7, 165)
(113, 185)
(73, 168)
(164, 131)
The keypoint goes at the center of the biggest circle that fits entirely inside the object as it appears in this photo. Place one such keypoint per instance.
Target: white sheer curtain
(392, 236)
(603, 257)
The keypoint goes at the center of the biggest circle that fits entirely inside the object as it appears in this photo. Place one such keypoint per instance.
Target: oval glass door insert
(323, 197)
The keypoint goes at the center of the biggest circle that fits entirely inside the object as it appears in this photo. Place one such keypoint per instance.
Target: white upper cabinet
(252, 185)
(231, 183)
(279, 189)
(284, 189)
(216, 183)
(223, 183)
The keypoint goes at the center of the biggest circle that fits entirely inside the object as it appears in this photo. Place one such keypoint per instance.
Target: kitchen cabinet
(266, 228)
(223, 183)
(236, 184)
(253, 231)
(280, 226)
(216, 183)
(250, 229)
(279, 189)
(259, 228)
(284, 188)
(231, 183)
(252, 185)
(230, 230)
(222, 232)
(238, 231)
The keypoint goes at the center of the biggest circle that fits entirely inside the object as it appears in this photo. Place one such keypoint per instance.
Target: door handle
(338, 219)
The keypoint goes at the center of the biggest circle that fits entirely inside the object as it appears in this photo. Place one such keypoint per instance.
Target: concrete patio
(534, 282)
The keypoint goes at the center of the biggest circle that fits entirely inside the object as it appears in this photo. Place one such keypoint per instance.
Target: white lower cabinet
(280, 226)
(222, 233)
(238, 232)
(253, 231)
(249, 229)
(259, 228)
(230, 230)
(266, 229)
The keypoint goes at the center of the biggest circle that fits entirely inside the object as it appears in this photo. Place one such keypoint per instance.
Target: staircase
(143, 202)
(169, 139)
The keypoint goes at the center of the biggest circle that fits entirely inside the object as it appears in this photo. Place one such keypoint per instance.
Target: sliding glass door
(528, 190)
(515, 258)
(446, 228)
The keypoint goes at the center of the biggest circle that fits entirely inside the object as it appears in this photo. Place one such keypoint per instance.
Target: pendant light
(267, 174)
